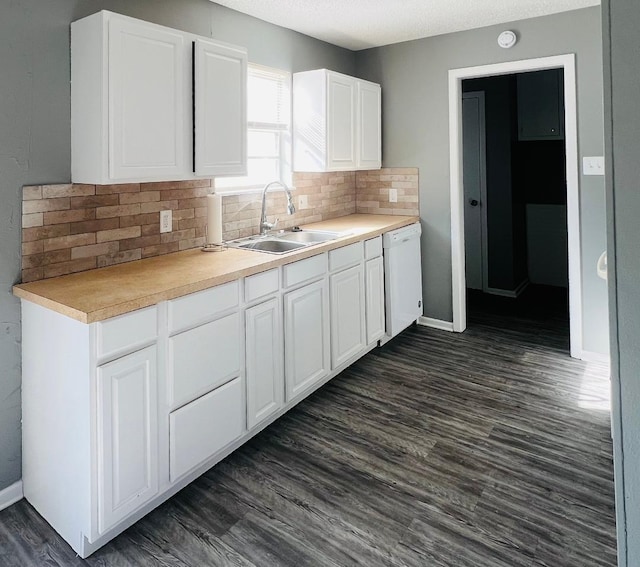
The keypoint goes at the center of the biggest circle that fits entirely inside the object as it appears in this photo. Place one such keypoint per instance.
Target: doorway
(566, 65)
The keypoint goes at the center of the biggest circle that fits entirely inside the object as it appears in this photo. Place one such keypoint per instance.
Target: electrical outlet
(166, 221)
(393, 195)
(303, 202)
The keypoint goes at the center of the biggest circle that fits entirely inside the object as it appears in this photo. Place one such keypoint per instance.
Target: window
(269, 130)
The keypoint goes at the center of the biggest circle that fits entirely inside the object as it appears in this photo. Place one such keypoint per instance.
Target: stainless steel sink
(309, 236)
(273, 245)
(285, 241)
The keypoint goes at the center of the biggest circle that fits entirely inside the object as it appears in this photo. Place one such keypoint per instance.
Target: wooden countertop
(99, 294)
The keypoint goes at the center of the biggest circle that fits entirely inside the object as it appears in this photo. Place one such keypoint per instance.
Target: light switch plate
(593, 165)
(303, 202)
(393, 195)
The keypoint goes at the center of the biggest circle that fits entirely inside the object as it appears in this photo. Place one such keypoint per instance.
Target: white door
(369, 126)
(220, 83)
(148, 75)
(265, 373)
(347, 315)
(374, 282)
(306, 337)
(341, 122)
(474, 179)
(127, 398)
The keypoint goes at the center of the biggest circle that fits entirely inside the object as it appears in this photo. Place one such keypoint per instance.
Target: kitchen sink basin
(285, 241)
(309, 236)
(273, 245)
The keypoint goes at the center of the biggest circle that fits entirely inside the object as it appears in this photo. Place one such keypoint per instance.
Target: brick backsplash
(329, 195)
(72, 228)
(372, 189)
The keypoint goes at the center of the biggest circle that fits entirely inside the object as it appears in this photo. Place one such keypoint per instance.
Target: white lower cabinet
(264, 366)
(347, 314)
(306, 337)
(374, 283)
(207, 425)
(127, 400)
(119, 414)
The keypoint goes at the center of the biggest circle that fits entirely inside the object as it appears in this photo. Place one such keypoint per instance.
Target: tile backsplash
(71, 228)
(372, 189)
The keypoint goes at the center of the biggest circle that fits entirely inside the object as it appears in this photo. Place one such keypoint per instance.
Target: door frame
(456, 76)
(480, 95)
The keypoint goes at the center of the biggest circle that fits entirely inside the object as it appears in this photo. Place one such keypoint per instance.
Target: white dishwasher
(402, 278)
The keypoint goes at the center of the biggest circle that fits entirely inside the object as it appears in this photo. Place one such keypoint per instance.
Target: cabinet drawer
(305, 270)
(373, 248)
(202, 358)
(196, 308)
(127, 333)
(205, 426)
(261, 285)
(346, 256)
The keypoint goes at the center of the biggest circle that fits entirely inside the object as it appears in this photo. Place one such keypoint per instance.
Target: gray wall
(416, 133)
(34, 148)
(621, 21)
(35, 129)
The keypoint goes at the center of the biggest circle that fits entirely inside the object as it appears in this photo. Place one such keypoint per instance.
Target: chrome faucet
(266, 226)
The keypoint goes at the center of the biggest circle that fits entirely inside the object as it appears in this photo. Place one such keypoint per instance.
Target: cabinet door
(265, 375)
(306, 337)
(347, 315)
(369, 126)
(341, 126)
(220, 122)
(148, 75)
(541, 105)
(374, 282)
(127, 399)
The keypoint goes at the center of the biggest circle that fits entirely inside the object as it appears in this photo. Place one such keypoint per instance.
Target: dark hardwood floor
(488, 448)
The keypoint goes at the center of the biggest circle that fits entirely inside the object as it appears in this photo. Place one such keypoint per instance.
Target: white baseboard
(513, 293)
(590, 356)
(11, 495)
(436, 324)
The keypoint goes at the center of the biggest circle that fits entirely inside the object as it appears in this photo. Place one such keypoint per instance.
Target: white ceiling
(360, 24)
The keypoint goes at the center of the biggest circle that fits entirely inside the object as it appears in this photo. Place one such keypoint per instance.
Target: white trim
(513, 293)
(456, 76)
(11, 495)
(436, 323)
(590, 356)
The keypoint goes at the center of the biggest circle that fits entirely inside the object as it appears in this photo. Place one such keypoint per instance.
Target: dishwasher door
(402, 278)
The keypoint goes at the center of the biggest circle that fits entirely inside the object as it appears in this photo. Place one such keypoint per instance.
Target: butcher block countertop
(99, 294)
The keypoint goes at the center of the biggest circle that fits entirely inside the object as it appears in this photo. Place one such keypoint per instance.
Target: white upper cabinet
(341, 122)
(146, 101)
(135, 103)
(220, 105)
(369, 126)
(336, 122)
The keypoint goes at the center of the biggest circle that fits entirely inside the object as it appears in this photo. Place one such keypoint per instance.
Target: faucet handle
(274, 223)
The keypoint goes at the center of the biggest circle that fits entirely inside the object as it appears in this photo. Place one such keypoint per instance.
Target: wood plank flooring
(484, 449)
